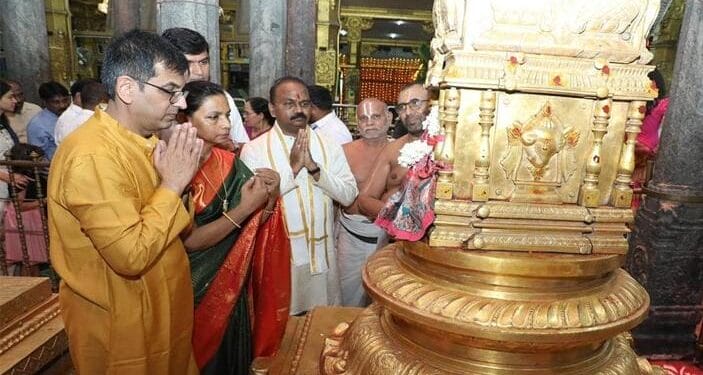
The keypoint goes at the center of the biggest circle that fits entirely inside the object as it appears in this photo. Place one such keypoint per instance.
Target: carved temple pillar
(354, 27)
(326, 41)
(665, 37)
(199, 15)
(26, 45)
(58, 26)
(665, 248)
(300, 39)
(267, 28)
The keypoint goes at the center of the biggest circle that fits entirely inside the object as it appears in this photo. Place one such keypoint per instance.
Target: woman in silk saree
(238, 248)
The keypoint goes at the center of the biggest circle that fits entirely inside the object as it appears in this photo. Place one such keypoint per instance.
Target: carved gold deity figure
(539, 156)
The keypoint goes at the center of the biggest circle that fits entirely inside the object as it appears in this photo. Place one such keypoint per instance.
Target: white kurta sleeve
(236, 131)
(337, 179)
(254, 156)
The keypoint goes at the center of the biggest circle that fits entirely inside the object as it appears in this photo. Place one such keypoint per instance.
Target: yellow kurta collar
(147, 144)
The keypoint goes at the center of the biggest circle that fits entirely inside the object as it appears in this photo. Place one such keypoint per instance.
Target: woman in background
(237, 244)
(257, 118)
(8, 138)
(648, 139)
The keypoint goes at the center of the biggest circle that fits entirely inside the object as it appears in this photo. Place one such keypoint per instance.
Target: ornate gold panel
(523, 132)
(325, 68)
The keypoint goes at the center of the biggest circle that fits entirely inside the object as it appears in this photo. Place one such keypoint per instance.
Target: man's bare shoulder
(393, 149)
(352, 146)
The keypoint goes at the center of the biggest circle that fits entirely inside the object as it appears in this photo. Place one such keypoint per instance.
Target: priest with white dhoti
(357, 239)
(314, 174)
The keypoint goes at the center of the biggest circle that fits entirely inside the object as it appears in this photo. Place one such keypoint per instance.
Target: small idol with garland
(410, 211)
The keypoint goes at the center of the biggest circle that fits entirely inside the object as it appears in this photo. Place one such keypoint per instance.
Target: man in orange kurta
(115, 216)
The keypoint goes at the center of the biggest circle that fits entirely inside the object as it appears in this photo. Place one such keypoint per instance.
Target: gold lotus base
(374, 344)
(450, 311)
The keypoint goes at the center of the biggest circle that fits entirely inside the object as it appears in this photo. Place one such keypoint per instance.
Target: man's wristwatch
(313, 171)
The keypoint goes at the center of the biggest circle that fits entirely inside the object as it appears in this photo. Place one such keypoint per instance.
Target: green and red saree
(242, 284)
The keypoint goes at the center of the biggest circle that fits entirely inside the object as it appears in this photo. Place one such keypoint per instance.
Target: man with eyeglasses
(358, 237)
(196, 50)
(314, 174)
(115, 215)
(388, 175)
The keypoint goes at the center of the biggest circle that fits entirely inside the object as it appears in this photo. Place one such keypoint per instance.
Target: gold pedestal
(447, 311)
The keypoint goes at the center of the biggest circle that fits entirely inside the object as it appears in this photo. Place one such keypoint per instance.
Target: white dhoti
(314, 289)
(357, 238)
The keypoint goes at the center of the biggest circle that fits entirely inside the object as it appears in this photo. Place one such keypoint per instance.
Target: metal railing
(37, 170)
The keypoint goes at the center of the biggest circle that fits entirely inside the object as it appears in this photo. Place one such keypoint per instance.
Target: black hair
(656, 76)
(261, 106)
(280, 81)
(13, 82)
(198, 91)
(77, 86)
(187, 41)
(48, 90)
(135, 54)
(92, 94)
(321, 97)
(4, 89)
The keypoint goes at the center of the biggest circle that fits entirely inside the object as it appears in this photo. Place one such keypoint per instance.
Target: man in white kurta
(323, 119)
(314, 174)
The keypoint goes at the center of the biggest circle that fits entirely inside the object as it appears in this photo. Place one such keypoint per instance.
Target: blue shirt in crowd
(40, 132)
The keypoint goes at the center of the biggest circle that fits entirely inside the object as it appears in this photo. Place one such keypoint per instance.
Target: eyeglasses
(174, 97)
(305, 104)
(413, 104)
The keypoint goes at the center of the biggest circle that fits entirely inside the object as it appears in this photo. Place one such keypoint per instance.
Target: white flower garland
(431, 123)
(413, 152)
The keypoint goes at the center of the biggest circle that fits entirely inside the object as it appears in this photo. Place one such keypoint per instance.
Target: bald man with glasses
(388, 176)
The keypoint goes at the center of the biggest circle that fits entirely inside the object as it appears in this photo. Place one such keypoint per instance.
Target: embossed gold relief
(526, 227)
(543, 74)
(610, 29)
(325, 68)
(540, 156)
(509, 153)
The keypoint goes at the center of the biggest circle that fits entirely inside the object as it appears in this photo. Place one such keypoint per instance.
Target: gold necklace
(225, 202)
